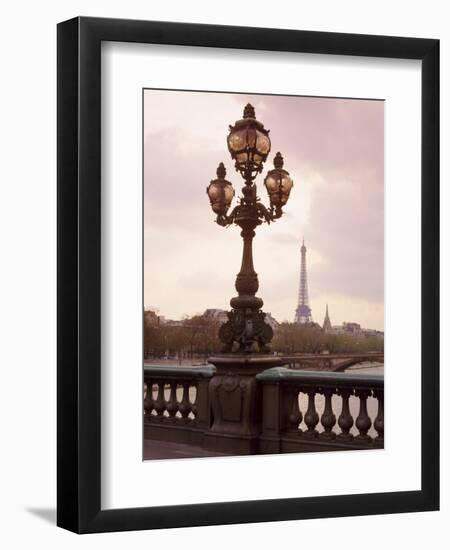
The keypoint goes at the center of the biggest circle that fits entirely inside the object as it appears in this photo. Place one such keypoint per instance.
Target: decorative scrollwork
(248, 329)
(259, 212)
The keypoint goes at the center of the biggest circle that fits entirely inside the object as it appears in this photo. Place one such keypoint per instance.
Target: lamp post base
(235, 398)
(246, 327)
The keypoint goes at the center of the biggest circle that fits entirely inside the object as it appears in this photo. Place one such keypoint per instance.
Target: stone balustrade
(334, 414)
(296, 411)
(176, 403)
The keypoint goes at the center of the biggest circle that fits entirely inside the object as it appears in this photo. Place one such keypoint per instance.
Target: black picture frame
(79, 280)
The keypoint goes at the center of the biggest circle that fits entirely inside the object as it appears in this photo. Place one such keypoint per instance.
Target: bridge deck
(162, 449)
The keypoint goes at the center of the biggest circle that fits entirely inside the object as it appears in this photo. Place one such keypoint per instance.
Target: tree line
(292, 338)
(193, 337)
(196, 337)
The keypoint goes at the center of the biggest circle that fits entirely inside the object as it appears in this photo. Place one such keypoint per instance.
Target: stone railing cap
(278, 374)
(180, 372)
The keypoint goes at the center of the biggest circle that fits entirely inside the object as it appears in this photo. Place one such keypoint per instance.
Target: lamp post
(235, 396)
(249, 145)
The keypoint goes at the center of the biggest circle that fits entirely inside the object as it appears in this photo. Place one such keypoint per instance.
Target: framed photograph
(248, 223)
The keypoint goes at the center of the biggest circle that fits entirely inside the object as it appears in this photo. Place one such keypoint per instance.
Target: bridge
(331, 362)
(209, 411)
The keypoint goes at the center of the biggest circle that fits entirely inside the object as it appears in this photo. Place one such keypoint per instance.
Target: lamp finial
(278, 161)
(249, 111)
(221, 172)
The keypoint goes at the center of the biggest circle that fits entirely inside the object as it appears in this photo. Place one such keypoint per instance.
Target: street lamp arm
(263, 212)
(226, 221)
(269, 215)
(266, 214)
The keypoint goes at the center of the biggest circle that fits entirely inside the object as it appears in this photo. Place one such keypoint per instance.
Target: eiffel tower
(303, 311)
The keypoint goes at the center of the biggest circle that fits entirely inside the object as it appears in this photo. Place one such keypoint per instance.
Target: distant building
(169, 322)
(270, 320)
(216, 314)
(351, 328)
(327, 323)
(173, 322)
(372, 333)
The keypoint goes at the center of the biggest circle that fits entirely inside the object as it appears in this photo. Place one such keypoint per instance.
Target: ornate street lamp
(220, 192)
(249, 145)
(278, 184)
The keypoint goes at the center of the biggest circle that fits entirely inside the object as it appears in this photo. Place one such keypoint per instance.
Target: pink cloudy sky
(333, 149)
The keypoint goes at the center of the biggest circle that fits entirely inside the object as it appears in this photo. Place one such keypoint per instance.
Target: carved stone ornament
(248, 329)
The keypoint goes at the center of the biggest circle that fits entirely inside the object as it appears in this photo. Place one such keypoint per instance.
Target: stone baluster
(159, 403)
(295, 416)
(172, 405)
(328, 418)
(363, 421)
(379, 420)
(194, 402)
(185, 406)
(148, 399)
(311, 416)
(345, 419)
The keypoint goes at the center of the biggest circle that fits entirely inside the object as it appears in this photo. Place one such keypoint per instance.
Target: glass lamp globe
(278, 183)
(248, 143)
(220, 192)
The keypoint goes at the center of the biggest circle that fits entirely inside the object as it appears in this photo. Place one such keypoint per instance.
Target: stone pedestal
(235, 399)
